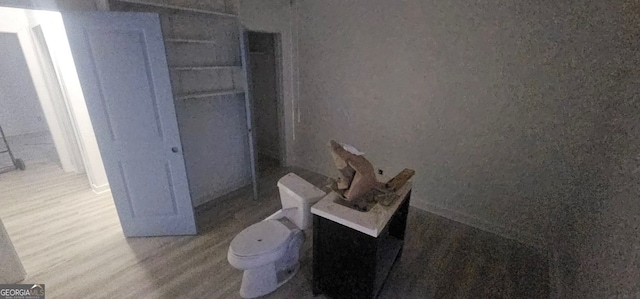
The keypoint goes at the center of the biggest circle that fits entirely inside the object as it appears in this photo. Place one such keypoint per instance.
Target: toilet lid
(260, 238)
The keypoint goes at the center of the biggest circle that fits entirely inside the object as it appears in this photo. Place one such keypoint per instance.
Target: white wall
(277, 17)
(15, 21)
(56, 5)
(20, 21)
(463, 93)
(20, 111)
(31, 4)
(55, 36)
(517, 116)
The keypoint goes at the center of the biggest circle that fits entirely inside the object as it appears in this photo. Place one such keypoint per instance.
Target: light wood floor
(69, 239)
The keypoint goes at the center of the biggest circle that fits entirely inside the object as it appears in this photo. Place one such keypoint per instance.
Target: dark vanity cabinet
(352, 257)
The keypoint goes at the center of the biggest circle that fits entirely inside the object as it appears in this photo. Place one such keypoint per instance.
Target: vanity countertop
(370, 223)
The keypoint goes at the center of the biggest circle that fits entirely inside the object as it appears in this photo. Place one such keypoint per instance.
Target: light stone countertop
(370, 223)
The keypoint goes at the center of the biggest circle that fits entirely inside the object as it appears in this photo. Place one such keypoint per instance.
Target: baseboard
(201, 200)
(555, 275)
(100, 189)
(500, 230)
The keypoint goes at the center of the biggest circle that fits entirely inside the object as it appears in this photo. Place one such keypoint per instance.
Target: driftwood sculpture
(357, 175)
(357, 182)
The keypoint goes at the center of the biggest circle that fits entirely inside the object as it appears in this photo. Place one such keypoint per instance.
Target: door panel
(121, 63)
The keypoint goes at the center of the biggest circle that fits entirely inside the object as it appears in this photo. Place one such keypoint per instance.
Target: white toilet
(269, 250)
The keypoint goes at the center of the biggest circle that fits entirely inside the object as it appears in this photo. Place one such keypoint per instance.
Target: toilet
(269, 250)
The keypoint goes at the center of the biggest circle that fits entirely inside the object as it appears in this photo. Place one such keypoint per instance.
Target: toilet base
(264, 280)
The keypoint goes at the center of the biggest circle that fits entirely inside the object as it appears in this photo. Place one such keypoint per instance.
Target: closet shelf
(207, 94)
(177, 8)
(190, 41)
(204, 67)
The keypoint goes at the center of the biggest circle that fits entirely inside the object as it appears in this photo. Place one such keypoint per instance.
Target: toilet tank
(297, 193)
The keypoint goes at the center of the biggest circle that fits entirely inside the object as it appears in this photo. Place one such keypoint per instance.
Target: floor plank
(70, 239)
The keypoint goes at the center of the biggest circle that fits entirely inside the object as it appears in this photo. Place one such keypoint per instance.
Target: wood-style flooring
(69, 239)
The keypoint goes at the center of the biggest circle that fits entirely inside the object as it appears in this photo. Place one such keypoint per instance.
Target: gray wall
(604, 234)
(471, 96)
(503, 108)
(20, 111)
(77, 5)
(214, 140)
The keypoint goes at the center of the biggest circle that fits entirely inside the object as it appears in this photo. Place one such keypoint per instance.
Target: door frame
(59, 92)
(282, 137)
(47, 101)
(59, 97)
(280, 94)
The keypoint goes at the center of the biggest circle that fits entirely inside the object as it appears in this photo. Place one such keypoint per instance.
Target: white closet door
(122, 66)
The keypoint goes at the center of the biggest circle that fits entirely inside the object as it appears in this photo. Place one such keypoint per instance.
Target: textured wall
(471, 95)
(506, 109)
(20, 111)
(605, 228)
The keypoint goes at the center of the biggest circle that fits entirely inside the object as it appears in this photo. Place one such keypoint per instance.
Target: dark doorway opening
(267, 106)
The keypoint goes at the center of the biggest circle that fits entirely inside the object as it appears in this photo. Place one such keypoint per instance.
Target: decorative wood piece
(399, 180)
(356, 172)
(389, 195)
(362, 203)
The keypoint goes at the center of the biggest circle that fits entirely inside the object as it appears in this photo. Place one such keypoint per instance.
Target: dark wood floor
(267, 165)
(72, 242)
(446, 259)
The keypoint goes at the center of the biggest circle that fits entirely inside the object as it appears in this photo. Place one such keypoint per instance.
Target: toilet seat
(260, 239)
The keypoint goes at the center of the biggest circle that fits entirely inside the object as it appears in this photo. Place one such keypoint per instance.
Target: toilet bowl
(269, 251)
